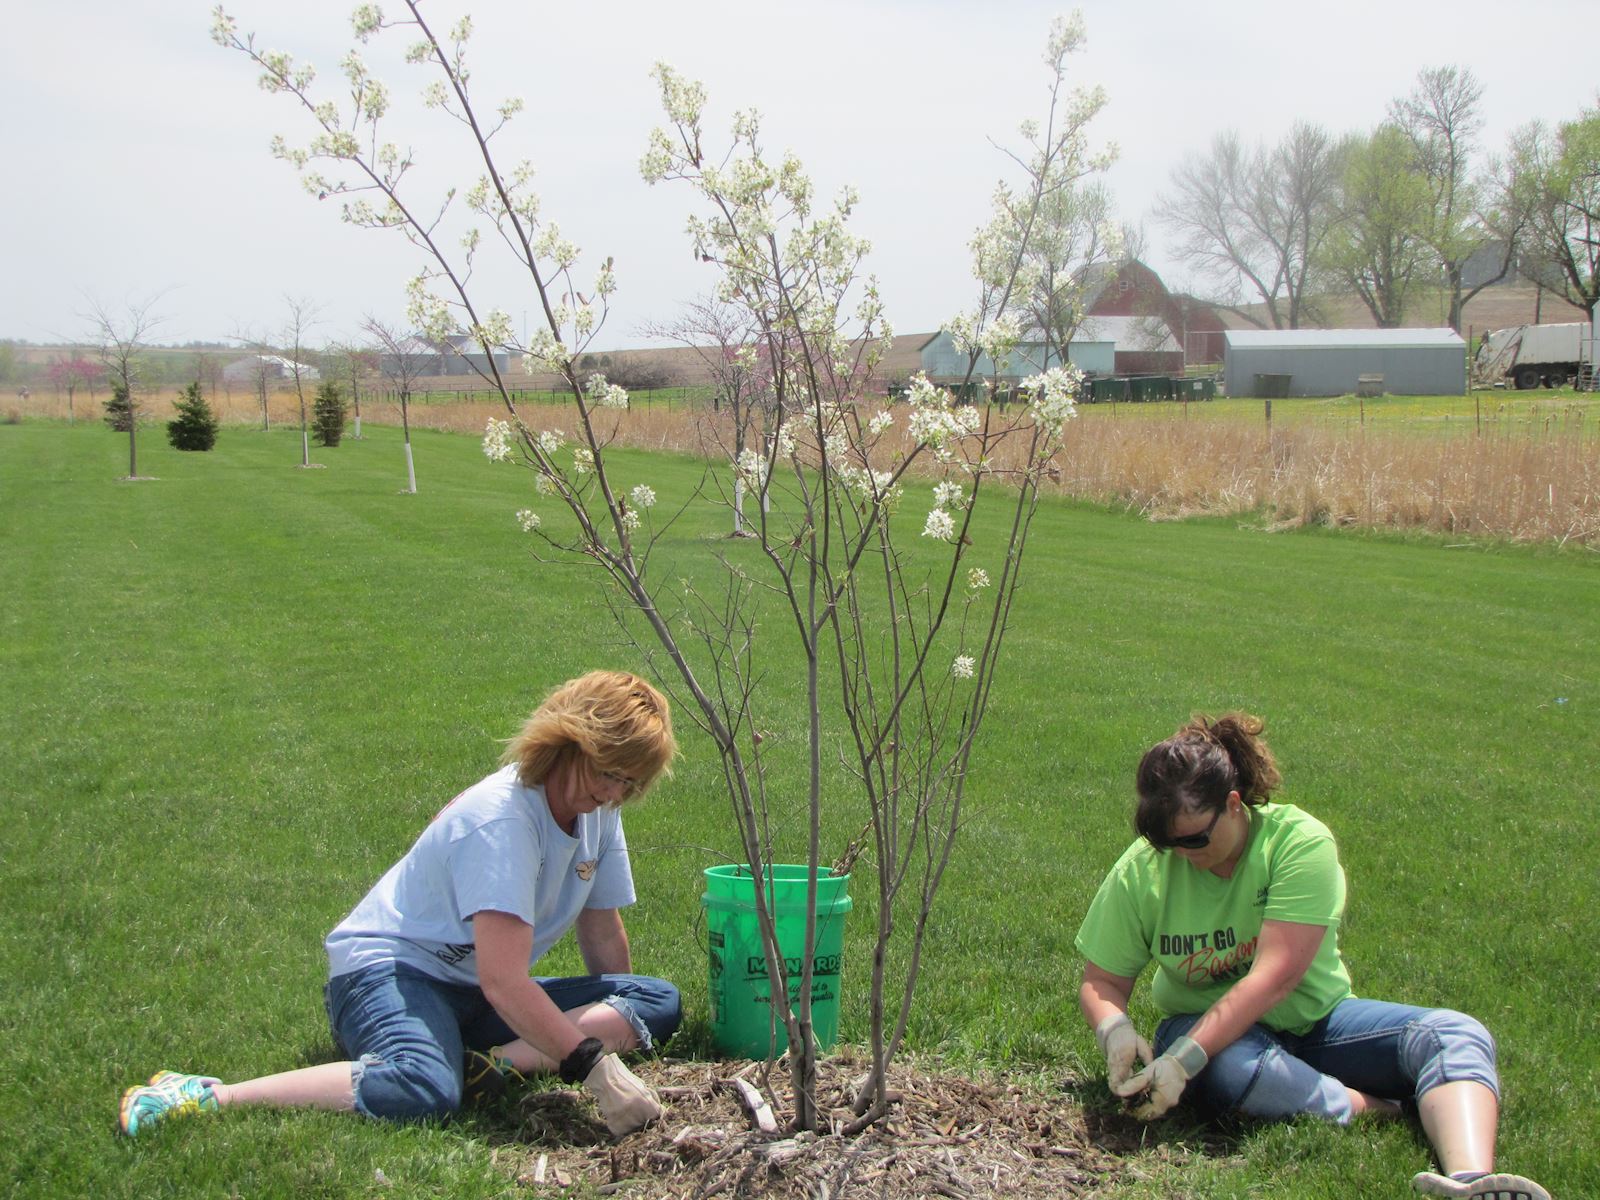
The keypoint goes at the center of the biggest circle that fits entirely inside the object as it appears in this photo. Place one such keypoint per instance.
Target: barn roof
(1322, 339)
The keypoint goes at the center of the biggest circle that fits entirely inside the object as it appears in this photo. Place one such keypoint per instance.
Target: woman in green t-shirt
(1237, 900)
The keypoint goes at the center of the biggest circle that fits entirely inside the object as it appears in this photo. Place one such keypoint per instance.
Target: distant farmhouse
(253, 367)
(458, 354)
(1132, 326)
(945, 365)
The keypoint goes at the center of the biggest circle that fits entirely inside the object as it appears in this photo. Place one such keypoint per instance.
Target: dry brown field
(1492, 308)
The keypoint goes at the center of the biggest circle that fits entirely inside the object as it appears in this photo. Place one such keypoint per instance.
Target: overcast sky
(136, 149)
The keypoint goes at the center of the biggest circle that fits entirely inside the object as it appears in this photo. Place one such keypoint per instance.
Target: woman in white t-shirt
(1237, 900)
(430, 995)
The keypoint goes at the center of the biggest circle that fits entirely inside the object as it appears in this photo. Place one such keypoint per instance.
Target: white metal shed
(1330, 362)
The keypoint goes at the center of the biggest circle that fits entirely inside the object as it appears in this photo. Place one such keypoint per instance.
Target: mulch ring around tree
(946, 1136)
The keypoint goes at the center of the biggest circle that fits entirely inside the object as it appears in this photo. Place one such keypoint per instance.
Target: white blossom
(977, 578)
(784, 440)
(752, 468)
(366, 20)
(549, 440)
(606, 395)
(630, 519)
(496, 440)
(880, 422)
(1054, 395)
(963, 666)
(528, 519)
(643, 496)
(546, 353)
(940, 525)
(947, 495)
(582, 460)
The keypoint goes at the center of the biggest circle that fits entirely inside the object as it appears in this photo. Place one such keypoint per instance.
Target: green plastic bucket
(743, 1024)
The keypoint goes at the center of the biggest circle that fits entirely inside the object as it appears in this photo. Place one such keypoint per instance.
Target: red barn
(1134, 290)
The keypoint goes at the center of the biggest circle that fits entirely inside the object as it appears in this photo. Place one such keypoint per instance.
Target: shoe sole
(1504, 1187)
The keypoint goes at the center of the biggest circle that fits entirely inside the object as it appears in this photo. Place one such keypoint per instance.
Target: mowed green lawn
(233, 695)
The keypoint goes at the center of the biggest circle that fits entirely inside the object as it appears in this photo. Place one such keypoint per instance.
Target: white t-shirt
(495, 846)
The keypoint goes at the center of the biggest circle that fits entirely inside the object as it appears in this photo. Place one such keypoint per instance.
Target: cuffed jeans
(407, 1032)
(1393, 1051)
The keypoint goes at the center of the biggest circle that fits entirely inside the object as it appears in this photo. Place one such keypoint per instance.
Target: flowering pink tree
(72, 373)
(869, 554)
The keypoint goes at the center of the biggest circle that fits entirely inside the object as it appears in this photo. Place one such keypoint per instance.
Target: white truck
(1527, 355)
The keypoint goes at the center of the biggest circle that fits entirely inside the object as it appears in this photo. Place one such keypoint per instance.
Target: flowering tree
(73, 373)
(887, 543)
(1034, 258)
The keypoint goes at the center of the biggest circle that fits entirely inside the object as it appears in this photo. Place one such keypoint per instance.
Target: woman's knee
(652, 1006)
(1444, 1046)
(407, 1089)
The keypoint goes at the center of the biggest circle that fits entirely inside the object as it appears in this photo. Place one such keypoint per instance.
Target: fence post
(1269, 415)
(1477, 404)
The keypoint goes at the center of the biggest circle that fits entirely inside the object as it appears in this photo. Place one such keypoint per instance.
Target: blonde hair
(616, 720)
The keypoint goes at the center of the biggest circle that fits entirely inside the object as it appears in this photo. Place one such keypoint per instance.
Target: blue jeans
(1393, 1051)
(407, 1032)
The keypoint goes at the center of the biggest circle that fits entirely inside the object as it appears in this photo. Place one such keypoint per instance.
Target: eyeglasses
(613, 777)
(1193, 841)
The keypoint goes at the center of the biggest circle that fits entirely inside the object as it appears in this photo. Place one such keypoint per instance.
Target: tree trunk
(1453, 281)
(405, 425)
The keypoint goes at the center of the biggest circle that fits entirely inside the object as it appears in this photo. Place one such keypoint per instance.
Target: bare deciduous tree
(1254, 220)
(120, 339)
(1440, 118)
(354, 365)
(402, 360)
(727, 341)
(262, 351)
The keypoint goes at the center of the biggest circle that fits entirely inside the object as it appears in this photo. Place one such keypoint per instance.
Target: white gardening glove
(1120, 1043)
(626, 1101)
(1165, 1078)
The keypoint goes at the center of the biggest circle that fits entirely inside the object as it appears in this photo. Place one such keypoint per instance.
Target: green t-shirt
(1202, 930)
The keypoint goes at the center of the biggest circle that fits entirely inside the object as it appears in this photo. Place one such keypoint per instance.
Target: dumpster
(1200, 388)
(1150, 387)
(1107, 389)
(1272, 387)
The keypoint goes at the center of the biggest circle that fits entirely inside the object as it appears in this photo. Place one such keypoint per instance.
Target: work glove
(1120, 1043)
(1165, 1079)
(626, 1101)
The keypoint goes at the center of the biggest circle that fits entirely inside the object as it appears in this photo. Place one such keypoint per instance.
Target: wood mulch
(946, 1136)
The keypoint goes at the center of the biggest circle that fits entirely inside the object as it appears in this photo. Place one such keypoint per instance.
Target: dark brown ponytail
(1196, 768)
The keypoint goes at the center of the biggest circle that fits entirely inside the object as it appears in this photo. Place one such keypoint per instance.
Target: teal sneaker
(168, 1094)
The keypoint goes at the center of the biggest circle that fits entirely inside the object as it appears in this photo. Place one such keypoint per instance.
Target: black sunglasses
(1192, 841)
